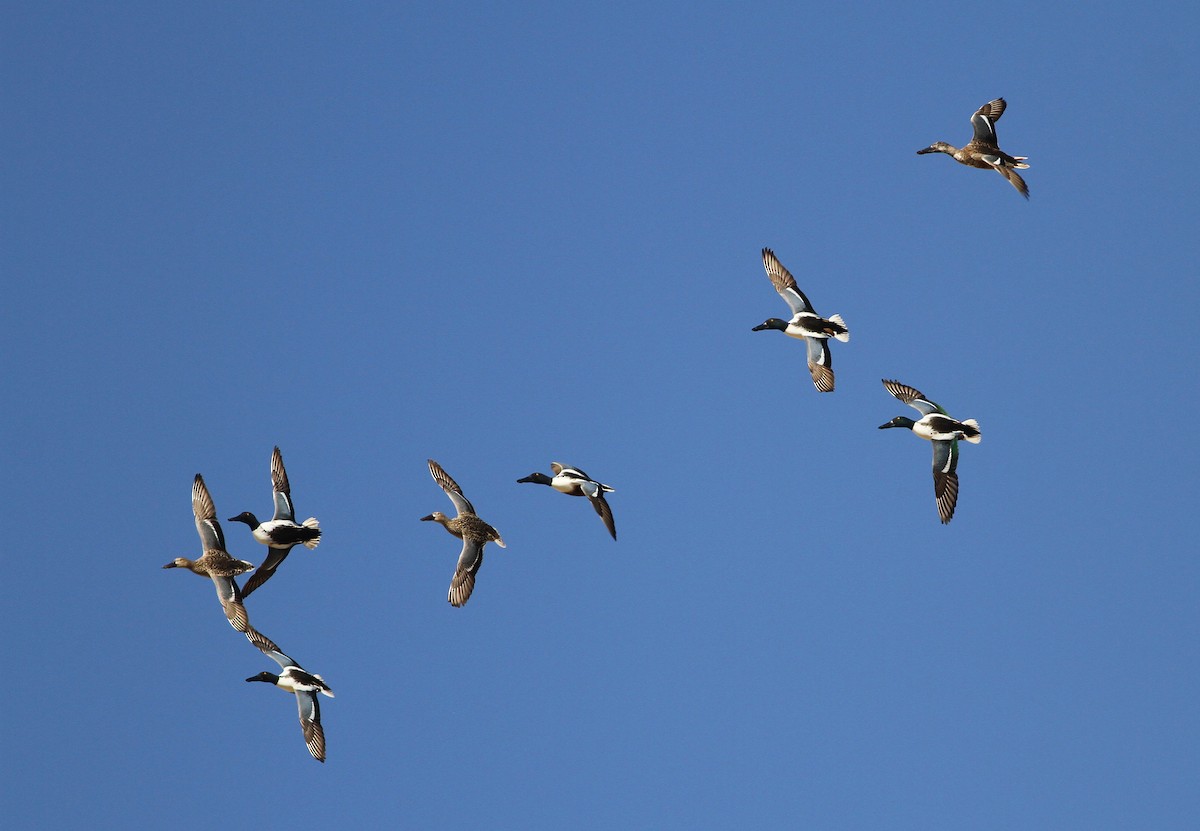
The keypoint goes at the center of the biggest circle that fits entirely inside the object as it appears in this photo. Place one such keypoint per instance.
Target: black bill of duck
(468, 527)
(281, 532)
(574, 482)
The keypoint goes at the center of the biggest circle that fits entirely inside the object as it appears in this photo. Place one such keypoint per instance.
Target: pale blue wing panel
(283, 507)
(205, 512)
(785, 283)
(282, 489)
(985, 118)
(820, 363)
(945, 479)
(912, 397)
(444, 480)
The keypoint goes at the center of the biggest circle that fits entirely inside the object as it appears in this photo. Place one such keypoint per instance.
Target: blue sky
(503, 234)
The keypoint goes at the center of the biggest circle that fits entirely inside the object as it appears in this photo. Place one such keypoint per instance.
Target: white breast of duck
(809, 325)
(938, 427)
(283, 533)
(294, 679)
(572, 484)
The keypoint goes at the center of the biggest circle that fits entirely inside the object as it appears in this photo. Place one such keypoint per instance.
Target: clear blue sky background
(501, 234)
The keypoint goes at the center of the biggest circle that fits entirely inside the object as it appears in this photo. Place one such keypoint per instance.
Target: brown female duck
(982, 151)
(468, 527)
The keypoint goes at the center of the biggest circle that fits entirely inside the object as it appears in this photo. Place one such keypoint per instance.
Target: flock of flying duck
(934, 425)
(281, 533)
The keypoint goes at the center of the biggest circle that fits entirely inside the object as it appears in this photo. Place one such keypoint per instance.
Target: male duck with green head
(936, 426)
(805, 323)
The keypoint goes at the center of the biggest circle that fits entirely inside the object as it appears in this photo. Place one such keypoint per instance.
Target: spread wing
(601, 505)
(984, 120)
(1011, 175)
(461, 504)
(945, 479)
(463, 582)
(205, 512)
(261, 641)
(912, 397)
(267, 570)
(231, 601)
(282, 490)
(276, 654)
(820, 363)
(785, 283)
(310, 721)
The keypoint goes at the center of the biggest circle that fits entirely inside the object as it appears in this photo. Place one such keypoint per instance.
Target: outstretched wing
(463, 582)
(985, 118)
(310, 721)
(785, 283)
(601, 505)
(560, 469)
(231, 601)
(205, 512)
(261, 641)
(266, 571)
(945, 479)
(461, 504)
(1008, 173)
(820, 363)
(282, 490)
(276, 654)
(912, 397)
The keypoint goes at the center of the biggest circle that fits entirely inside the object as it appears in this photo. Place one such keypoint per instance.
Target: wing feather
(461, 504)
(785, 283)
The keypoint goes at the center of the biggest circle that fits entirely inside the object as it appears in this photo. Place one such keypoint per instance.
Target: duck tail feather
(843, 336)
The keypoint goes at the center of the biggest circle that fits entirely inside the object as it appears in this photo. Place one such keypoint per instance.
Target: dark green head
(536, 478)
(246, 517)
(265, 677)
(899, 421)
(771, 323)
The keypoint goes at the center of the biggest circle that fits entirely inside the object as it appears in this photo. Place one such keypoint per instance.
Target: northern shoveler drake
(982, 151)
(574, 482)
(944, 431)
(281, 532)
(468, 527)
(305, 685)
(805, 323)
(216, 564)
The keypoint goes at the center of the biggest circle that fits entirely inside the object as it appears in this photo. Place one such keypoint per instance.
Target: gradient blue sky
(501, 234)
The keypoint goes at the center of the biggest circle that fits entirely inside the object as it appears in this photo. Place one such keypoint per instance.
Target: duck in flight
(937, 427)
(281, 532)
(468, 527)
(294, 678)
(216, 563)
(982, 150)
(574, 482)
(805, 323)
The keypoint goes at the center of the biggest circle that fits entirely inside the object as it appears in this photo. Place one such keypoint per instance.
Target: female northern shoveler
(216, 564)
(944, 431)
(468, 527)
(281, 532)
(574, 482)
(982, 150)
(305, 685)
(805, 323)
